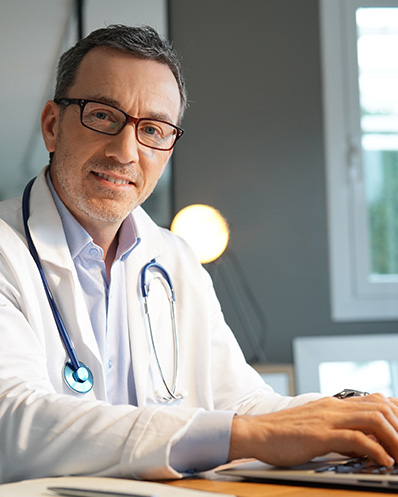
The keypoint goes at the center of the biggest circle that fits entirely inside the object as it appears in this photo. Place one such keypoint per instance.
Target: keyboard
(359, 466)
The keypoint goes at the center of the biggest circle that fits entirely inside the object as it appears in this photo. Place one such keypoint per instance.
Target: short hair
(140, 41)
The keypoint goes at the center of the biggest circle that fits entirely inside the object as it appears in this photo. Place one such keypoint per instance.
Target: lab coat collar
(46, 226)
(152, 243)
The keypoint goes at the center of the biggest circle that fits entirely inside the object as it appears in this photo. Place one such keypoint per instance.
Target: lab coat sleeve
(51, 434)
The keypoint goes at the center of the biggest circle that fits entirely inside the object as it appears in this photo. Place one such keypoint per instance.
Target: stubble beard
(107, 206)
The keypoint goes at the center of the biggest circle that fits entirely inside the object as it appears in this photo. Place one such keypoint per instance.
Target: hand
(357, 426)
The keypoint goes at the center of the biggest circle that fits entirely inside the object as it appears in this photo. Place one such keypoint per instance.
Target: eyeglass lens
(109, 120)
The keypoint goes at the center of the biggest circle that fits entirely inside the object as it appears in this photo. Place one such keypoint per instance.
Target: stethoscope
(76, 374)
(168, 286)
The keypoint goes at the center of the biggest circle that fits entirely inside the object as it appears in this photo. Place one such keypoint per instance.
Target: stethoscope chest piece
(80, 380)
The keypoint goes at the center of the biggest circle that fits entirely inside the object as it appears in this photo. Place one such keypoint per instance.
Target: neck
(110, 255)
(106, 236)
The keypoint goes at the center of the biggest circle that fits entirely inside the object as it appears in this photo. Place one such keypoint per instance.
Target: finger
(377, 398)
(378, 421)
(377, 402)
(358, 444)
(393, 401)
(385, 433)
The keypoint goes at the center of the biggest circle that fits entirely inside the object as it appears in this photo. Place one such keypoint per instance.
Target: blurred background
(253, 147)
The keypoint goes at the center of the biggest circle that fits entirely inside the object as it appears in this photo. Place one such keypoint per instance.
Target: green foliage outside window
(383, 211)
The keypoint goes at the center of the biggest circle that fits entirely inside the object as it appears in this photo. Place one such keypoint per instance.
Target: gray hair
(140, 41)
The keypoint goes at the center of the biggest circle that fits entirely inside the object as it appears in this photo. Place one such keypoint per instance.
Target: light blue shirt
(106, 302)
(206, 443)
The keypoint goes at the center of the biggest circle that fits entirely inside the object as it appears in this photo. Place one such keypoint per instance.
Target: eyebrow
(161, 116)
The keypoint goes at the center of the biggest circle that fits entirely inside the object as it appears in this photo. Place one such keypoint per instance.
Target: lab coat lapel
(152, 244)
(46, 226)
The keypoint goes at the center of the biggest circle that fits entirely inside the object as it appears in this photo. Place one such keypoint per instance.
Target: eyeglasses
(109, 120)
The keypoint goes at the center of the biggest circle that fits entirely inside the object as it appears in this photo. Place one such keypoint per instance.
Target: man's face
(101, 178)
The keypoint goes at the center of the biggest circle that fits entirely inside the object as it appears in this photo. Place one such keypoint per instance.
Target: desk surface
(249, 489)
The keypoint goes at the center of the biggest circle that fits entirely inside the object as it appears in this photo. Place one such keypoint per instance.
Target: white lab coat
(45, 428)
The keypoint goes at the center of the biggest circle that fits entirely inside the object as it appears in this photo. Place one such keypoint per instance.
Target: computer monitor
(279, 376)
(328, 364)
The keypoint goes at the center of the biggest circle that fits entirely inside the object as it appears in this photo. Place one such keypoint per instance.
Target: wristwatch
(347, 392)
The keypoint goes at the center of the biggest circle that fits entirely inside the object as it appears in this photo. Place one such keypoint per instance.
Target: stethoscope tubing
(154, 265)
(77, 375)
(57, 316)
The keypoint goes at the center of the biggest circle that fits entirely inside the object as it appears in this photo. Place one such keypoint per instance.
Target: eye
(102, 118)
(152, 130)
(101, 115)
(155, 134)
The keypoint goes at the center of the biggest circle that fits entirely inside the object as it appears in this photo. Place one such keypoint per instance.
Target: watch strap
(348, 392)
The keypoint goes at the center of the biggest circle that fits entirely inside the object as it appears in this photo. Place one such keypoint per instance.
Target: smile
(112, 179)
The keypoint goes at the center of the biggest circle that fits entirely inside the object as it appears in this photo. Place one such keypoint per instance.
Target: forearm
(51, 435)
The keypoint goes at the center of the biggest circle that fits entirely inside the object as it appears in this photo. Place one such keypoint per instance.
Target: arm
(46, 432)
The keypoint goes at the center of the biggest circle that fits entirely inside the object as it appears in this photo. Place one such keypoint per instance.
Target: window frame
(355, 295)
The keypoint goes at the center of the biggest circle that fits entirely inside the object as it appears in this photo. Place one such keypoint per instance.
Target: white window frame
(355, 295)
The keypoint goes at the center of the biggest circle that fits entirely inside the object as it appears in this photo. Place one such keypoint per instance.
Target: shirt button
(93, 251)
(110, 364)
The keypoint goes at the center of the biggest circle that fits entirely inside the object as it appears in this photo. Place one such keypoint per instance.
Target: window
(360, 83)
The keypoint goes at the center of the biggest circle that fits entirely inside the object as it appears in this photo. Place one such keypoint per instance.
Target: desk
(215, 483)
(249, 489)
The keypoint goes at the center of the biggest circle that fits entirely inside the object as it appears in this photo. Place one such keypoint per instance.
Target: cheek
(153, 164)
(75, 152)
(148, 154)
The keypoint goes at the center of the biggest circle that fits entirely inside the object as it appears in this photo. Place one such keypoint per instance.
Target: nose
(124, 146)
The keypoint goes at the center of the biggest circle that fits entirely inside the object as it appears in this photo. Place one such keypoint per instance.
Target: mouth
(113, 179)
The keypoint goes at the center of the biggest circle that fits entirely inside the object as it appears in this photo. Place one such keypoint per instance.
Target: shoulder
(164, 245)
(9, 206)
(11, 214)
(147, 228)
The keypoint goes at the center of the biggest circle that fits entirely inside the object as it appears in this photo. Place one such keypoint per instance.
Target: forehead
(134, 84)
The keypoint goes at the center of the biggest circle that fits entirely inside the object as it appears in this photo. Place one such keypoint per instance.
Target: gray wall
(253, 148)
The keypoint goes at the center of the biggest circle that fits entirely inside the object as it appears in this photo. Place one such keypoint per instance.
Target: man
(110, 131)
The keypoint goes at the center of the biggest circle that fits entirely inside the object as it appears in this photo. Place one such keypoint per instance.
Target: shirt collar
(77, 237)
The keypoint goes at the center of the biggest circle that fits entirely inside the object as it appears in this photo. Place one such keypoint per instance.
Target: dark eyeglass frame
(81, 102)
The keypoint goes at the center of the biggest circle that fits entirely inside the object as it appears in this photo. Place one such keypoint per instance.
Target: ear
(50, 124)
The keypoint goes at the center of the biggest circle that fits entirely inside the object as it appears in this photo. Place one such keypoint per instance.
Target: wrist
(240, 436)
